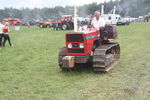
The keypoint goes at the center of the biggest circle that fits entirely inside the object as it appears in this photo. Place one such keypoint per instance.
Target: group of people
(4, 34)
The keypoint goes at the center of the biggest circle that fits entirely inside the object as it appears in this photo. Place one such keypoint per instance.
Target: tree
(133, 8)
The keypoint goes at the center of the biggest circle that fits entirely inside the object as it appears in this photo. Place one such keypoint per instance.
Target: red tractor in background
(66, 23)
(12, 21)
(90, 46)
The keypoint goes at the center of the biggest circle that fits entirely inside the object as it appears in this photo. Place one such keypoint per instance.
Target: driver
(98, 21)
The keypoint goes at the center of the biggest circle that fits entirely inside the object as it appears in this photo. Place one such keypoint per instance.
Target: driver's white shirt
(98, 23)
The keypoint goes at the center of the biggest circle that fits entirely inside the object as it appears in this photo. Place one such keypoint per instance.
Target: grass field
(29, 70)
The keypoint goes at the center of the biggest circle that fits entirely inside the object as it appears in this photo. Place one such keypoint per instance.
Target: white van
(111, 19)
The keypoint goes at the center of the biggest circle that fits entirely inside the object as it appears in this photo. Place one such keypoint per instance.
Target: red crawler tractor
(90, 45)
(65, 24)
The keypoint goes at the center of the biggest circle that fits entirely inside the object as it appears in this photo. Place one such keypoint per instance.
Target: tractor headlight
(69, 45)
(81, 45)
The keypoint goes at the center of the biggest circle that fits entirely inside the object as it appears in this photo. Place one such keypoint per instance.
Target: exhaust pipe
(75, 19)
(102, 10)
(114, 11)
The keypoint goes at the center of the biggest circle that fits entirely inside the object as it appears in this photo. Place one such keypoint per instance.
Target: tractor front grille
(76, 50)
(75, 45)
(74, 38)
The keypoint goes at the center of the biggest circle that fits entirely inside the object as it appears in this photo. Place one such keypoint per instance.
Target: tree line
(133, 8)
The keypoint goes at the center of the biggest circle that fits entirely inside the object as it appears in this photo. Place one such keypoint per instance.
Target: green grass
(29, 70)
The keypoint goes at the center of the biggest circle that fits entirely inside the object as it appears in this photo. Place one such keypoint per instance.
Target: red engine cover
(86, 37)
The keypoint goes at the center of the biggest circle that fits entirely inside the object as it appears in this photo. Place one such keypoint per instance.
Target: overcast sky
(43, 3)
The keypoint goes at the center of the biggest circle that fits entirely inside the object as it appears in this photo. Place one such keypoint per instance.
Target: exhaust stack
(75, 19)
(102, 10)
(114, 11)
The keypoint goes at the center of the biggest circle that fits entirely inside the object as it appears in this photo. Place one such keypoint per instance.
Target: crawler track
(105, 57)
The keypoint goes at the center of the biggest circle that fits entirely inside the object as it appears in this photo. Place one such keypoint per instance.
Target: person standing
(6, 35)
(1, 33)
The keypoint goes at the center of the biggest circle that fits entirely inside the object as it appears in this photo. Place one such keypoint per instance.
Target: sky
(44, 3)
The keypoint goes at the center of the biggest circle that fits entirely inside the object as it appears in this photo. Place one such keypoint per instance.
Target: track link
(105, 57)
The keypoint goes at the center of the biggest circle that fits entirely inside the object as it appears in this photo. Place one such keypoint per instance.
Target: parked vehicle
(111, 19)
(123, 21)
(65, 23)
(45, 24)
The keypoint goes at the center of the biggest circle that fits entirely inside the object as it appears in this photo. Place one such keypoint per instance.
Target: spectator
(6, 35)
(1, 33)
